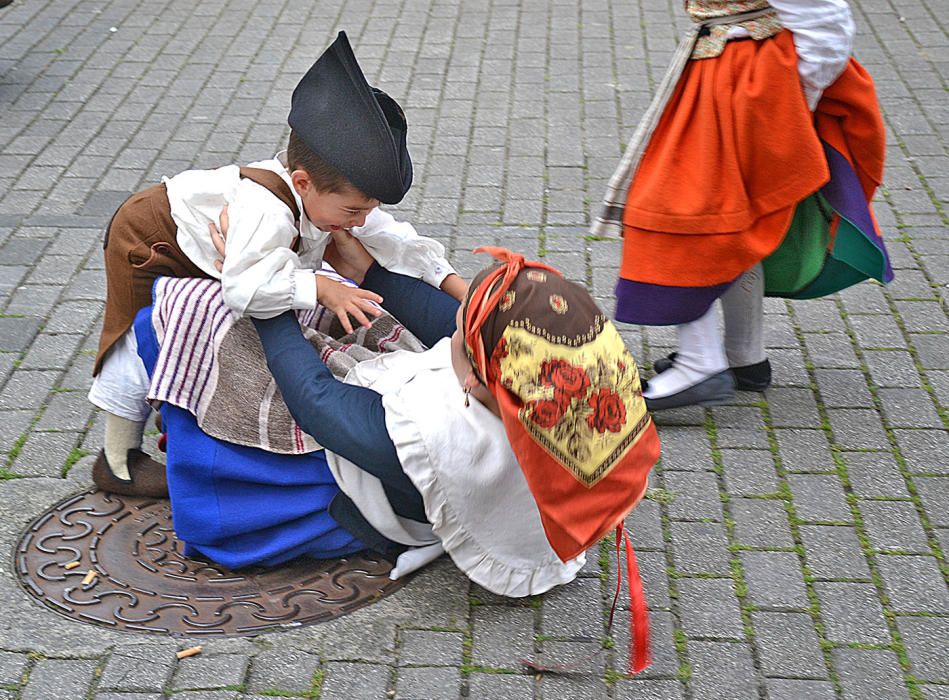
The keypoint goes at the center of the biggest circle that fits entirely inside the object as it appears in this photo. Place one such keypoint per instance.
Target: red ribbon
(639, 656)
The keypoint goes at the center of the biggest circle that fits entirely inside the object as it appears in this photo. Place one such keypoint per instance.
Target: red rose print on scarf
(568, 381)
(546, 413)
(609, 411)
(500, 352)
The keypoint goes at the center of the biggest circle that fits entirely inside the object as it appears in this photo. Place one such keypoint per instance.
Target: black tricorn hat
(354, 127)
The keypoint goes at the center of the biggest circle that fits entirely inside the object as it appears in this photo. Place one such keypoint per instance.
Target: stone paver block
(857, 429)
(910, 408)
(913, 583)
(645, 526)
(208, 672)
(843, 388)
(579, 687)
(804, 450)
(788, 645)
(923, 450)
(501, 637)
(869, 674)
(924, 639)
(851, 612)
(60, 678)
(577, 657)
(749, 472)
(12, 667)
(648, 690)
(934, 493)
(875, 475)
(694, 496)
(761, 523)
(26, 389)
(653, 570)
(16, 334)
(428, 648)
(787, 689)
(834, 552)
(894, 525)
(428, 684)
(793, 408)
(139, 667)
(774, 579)
(686, 448)
(283, 670)
(700, 548)
(710, 608)
(352, 681)
(819, 498)
(496, 686)
(892, 368)
(722, 671)
(573, 610)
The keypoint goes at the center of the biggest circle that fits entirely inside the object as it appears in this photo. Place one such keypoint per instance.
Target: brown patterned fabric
(141, 244)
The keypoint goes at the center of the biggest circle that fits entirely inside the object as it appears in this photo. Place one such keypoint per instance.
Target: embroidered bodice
(713, 43)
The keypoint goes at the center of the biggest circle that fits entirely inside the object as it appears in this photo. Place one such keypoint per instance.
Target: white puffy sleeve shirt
(823, 38)
(262, 276)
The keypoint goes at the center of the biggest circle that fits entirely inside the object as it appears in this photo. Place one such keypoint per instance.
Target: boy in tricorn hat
(346, 155)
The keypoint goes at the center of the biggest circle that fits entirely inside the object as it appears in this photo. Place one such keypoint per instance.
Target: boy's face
(332, 211)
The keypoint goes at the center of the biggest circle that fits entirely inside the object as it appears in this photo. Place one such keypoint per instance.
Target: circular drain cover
(144, 583)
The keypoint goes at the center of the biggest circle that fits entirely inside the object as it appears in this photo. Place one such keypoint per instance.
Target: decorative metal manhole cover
(142, 581)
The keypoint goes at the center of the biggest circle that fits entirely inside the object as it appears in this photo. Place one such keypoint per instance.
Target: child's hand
(219, 237)
(346, 301)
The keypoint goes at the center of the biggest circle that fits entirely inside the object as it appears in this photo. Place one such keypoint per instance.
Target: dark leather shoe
(148, 476)
(715, 390)
(756, 377)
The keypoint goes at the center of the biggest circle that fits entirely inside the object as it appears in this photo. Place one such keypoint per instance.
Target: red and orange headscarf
(569, 396)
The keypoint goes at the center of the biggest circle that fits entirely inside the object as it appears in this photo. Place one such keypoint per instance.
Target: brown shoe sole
(148, 476)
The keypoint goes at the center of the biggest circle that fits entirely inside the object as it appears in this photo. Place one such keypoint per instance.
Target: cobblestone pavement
(793, 546)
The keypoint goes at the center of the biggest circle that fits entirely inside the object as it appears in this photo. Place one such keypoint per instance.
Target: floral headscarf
(569, 396)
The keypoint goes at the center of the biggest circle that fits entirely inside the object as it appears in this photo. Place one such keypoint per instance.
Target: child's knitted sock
(743, 310)
(121, 435)
(700, 355)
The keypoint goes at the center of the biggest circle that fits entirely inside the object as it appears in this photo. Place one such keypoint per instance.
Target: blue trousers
(350, 420)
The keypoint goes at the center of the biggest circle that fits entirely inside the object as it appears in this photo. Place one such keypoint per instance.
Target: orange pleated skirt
(734, 152)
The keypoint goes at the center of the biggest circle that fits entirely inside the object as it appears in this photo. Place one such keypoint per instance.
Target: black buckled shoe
(148, 476)
(715, 390)
(756, 377)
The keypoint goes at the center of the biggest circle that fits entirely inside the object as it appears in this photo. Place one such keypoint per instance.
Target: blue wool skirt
(242, 506)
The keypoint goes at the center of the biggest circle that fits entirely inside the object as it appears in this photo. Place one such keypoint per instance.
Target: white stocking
(700, 355)
(121, 435)
(742, 307)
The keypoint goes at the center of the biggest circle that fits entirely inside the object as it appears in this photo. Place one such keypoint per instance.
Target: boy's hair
(325, 177)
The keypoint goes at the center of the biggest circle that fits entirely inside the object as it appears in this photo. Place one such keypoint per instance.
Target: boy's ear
(301, 181)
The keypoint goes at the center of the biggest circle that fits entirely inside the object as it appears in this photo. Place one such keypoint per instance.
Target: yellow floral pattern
(582, 403)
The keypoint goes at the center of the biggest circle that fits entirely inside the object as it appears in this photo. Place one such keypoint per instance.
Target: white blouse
(262, 277)
(823, 37)
(475, 494)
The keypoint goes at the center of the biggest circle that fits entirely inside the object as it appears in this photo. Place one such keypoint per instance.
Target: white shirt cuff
(304, 289)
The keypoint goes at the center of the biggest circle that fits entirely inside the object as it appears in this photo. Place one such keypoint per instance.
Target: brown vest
(141, 244)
